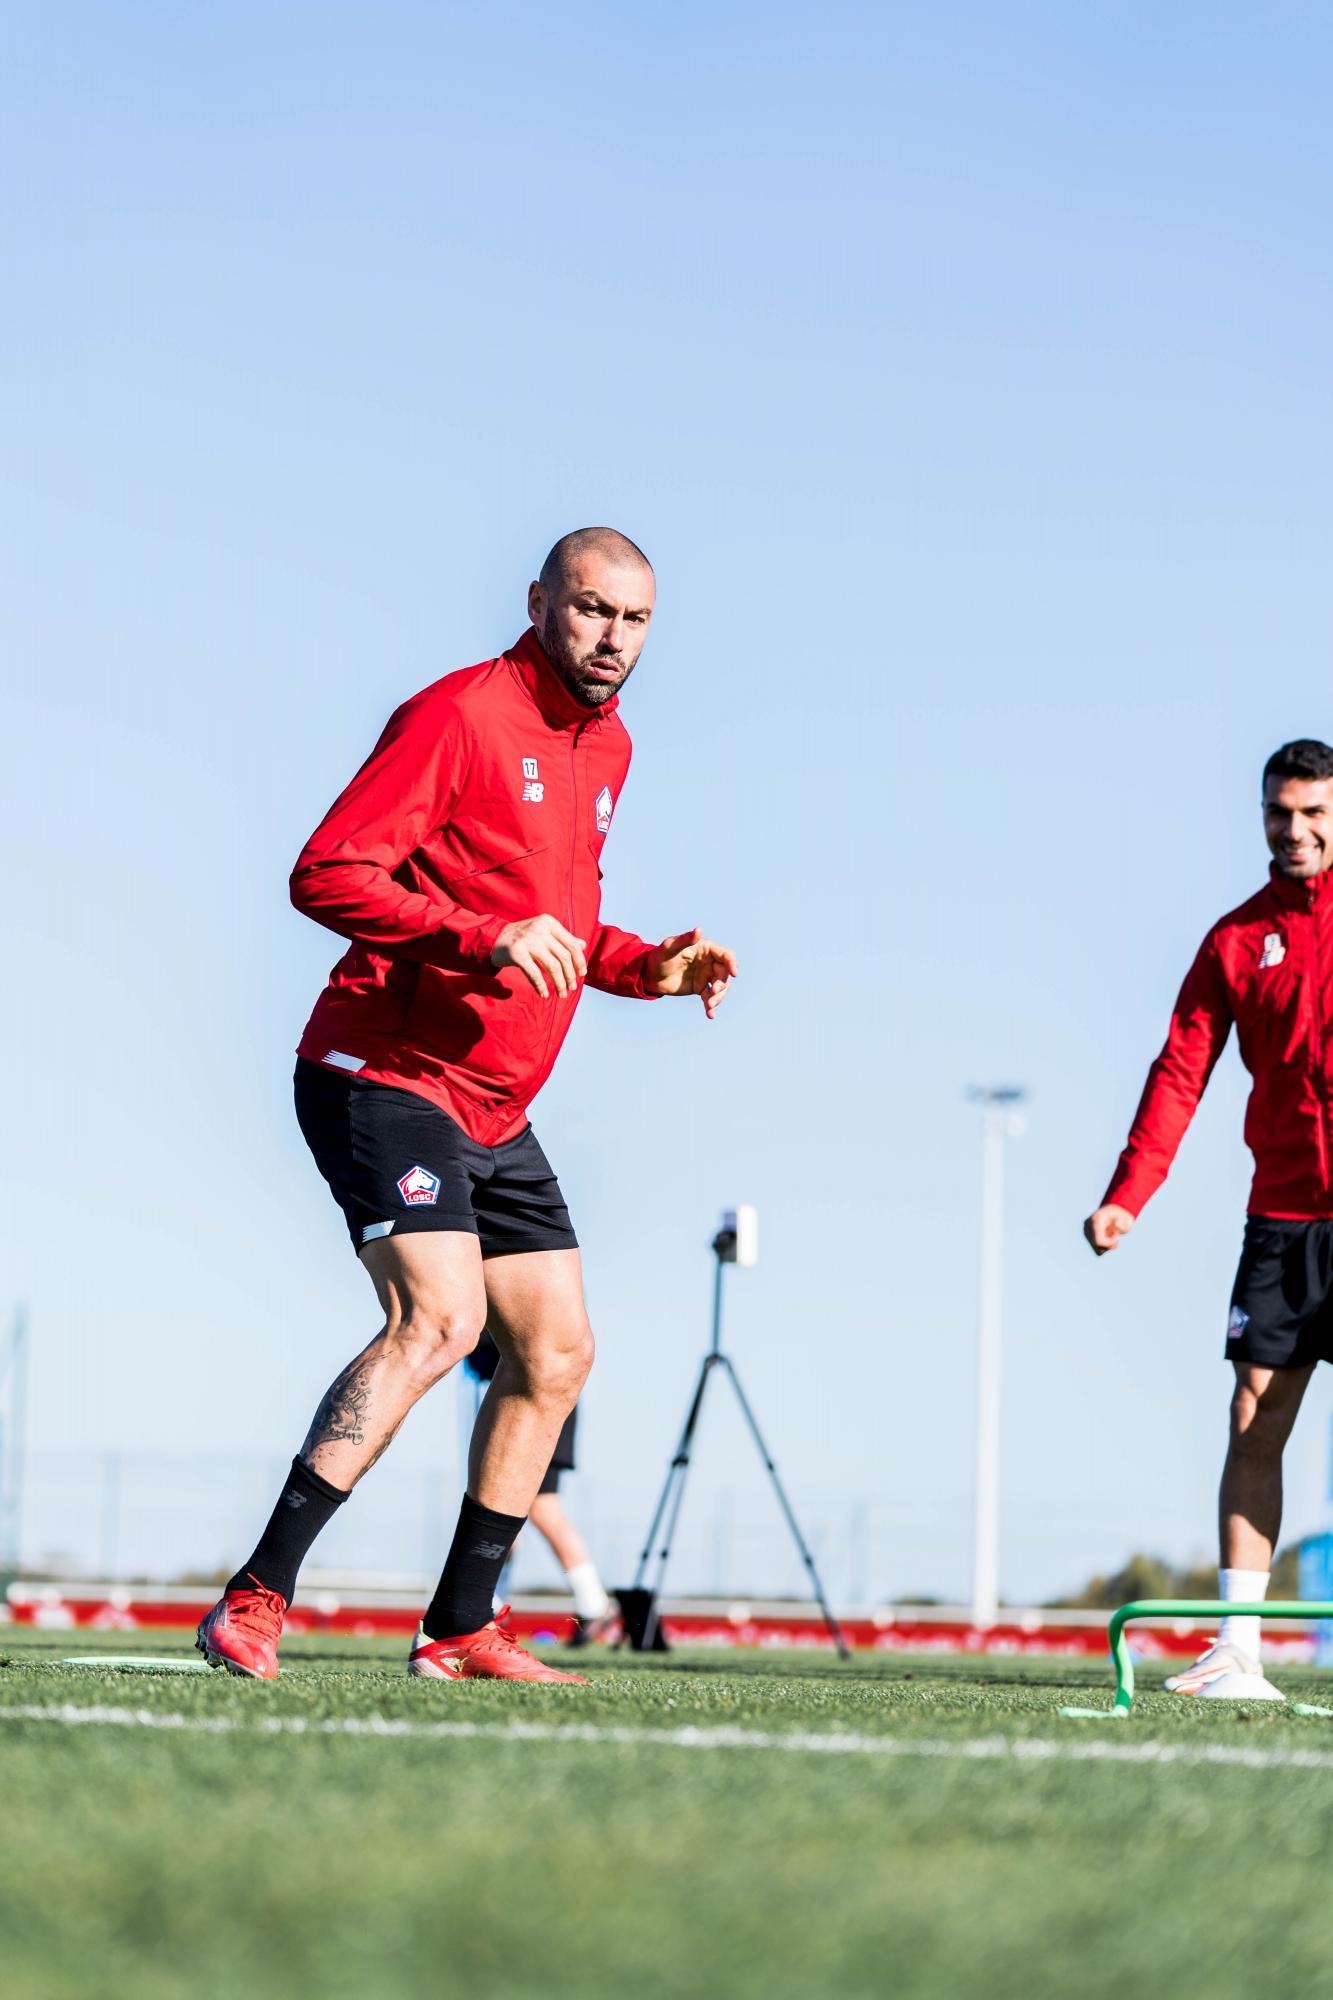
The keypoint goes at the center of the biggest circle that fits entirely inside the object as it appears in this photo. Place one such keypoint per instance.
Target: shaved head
(591, 606)
(608, 543)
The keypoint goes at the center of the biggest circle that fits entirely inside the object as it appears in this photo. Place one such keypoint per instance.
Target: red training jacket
(1269, 968)
(487, 799)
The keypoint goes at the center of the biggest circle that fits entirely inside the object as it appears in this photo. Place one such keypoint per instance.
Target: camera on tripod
(737, 1241)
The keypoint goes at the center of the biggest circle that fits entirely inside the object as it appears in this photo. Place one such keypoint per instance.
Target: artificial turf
(670, 1831)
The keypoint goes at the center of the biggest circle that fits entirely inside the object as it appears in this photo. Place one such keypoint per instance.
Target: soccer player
(463, 863)
(1267, 967)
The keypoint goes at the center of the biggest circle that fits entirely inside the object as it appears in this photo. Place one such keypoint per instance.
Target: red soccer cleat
(242, 1631)
(488, 1655)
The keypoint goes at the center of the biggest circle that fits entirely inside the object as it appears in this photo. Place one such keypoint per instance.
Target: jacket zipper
(573, 856)
(573, 816)
(1317, 1011)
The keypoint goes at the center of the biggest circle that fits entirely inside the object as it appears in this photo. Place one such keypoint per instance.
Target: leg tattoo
(342, 1415)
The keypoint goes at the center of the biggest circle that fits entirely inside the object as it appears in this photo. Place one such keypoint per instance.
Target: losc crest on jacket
(486, 800)
(1267, 969)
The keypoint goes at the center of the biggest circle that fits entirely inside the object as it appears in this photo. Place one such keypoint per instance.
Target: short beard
(568, 664)
(1299, 872)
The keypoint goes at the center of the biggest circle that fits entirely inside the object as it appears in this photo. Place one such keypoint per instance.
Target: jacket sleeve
(618, 962)
(345, 875)
(1177, 1080)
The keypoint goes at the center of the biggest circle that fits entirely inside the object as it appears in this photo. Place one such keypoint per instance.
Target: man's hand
(692, 963)
(542, 949)
(1106, 1226)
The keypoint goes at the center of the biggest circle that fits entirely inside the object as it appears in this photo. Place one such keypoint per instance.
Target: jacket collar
(558, 706)
(1314, 894)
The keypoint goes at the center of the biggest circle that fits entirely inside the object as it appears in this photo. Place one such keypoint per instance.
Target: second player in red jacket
(1266, 969)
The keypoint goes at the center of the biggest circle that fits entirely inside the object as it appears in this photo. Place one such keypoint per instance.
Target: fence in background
(171, 1514)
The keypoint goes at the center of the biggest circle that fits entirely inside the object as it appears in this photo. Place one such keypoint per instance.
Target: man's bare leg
(1263, 1410)
(1264, 1404)
(429, 1285)
(591, 1602)
(553, 1524)
(536, 1317)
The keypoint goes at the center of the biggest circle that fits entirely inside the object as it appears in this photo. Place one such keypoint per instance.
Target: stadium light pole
(999, 1121)
(14, 1379)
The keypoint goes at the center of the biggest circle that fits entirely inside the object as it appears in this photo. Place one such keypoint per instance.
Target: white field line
(976, 1749)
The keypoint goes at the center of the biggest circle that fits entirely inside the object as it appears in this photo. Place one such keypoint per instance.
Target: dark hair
(1305, 758)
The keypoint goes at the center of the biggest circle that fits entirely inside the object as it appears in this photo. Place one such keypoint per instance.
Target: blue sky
(965, 373)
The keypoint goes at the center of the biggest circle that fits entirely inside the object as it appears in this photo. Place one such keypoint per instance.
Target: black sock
(464, 1594)
(305, 1507)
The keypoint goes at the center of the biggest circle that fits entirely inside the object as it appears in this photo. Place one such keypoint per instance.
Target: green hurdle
(1184, 1607)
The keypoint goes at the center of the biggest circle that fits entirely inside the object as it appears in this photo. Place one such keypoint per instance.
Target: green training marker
(1185, 1607)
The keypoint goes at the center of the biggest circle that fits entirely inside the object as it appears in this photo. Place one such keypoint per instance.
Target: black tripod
(642, 1618)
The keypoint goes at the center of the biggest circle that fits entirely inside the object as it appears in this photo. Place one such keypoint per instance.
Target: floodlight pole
(13, 1439)
(998, 1122)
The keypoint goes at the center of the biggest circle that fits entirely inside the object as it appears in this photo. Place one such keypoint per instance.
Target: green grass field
(680, 1828)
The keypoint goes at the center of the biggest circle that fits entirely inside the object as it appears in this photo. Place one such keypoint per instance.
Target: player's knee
(581, 1361)
(1244, 1419)
(556, 1370)
(1258, 1429)
(434, 1335)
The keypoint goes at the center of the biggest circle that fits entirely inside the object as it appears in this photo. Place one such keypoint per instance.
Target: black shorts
(1282, 1300)
(397, 1164)
(481, 1364)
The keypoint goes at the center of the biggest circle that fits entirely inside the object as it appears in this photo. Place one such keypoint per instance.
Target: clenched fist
(542, 949)
(1105, 1227)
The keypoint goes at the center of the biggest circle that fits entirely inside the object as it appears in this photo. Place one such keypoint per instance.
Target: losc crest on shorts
(396, 1163)
(1282, 1301)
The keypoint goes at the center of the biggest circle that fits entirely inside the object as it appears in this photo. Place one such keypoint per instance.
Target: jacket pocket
(487, 848)
(469, 1014)
(516, 884)
(490, 1024)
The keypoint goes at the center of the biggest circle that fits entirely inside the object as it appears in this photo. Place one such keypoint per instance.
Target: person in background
(1266, 968)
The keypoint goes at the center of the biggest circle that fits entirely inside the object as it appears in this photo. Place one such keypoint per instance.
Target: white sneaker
(1225, 1673)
